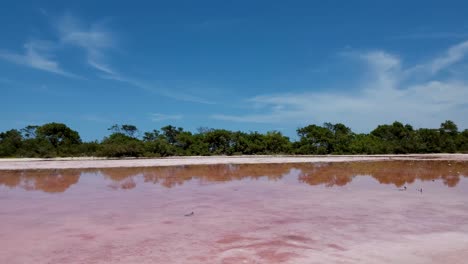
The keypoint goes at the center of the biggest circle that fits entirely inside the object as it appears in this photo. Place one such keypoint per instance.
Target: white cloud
(37, 55)
(157, 117)
(450, 57)
(102, 67)
(387, 95)
(95, 39)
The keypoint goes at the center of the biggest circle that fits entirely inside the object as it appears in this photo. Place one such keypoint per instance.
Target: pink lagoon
(411, 211)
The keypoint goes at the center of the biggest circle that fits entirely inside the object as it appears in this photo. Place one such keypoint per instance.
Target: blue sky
(239, 65)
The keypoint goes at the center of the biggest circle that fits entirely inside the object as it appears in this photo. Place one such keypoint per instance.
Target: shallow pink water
(290, 213)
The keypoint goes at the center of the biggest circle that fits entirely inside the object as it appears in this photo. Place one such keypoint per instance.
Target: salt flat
(87, 162)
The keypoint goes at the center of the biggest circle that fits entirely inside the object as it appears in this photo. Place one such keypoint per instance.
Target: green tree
(241, 143)
(314, 140)
(427, 140)
(64, 140)
(37, 148)
(449, 127)
(156, 144)
(256, 143)
(151, 136)
(448, 136)
(10, 142)
(57, 139)
(396, 138)
(219, 141)
(121, 145)
(276, 143)
(199, 145)
(159, 148)
(128, 130)
(341, 138)
(366, 144)
(58, 134)
(462, 141)
(171, 132)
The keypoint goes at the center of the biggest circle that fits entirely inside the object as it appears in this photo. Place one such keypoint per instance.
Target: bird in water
(190, 214)
(403, 189)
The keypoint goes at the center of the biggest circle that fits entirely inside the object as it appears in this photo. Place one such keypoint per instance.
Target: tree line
(59, 140)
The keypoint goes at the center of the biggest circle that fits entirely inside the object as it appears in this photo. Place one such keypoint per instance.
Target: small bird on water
(190, 214)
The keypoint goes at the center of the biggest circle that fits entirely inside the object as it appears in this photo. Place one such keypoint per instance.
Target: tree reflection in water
(50, 181)
(397, 173)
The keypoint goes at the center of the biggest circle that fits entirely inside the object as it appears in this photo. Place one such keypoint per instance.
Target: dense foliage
(58, 140)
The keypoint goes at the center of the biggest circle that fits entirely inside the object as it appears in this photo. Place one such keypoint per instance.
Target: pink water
(292, 213)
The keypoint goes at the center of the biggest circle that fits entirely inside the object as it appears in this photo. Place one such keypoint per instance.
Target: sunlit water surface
(357, 212)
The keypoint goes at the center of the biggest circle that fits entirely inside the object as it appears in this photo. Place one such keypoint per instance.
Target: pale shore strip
(90, 162)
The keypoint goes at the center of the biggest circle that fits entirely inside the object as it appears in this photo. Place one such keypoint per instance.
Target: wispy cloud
(450, 57)
(386, 96)
(157, 117)
(95, 39)
(157, 89)
(37, 55)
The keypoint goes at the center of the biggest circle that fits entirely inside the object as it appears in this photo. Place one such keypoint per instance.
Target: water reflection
(50, 181)
(397, 173)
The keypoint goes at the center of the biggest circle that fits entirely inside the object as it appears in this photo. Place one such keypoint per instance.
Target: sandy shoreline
(89, 162)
